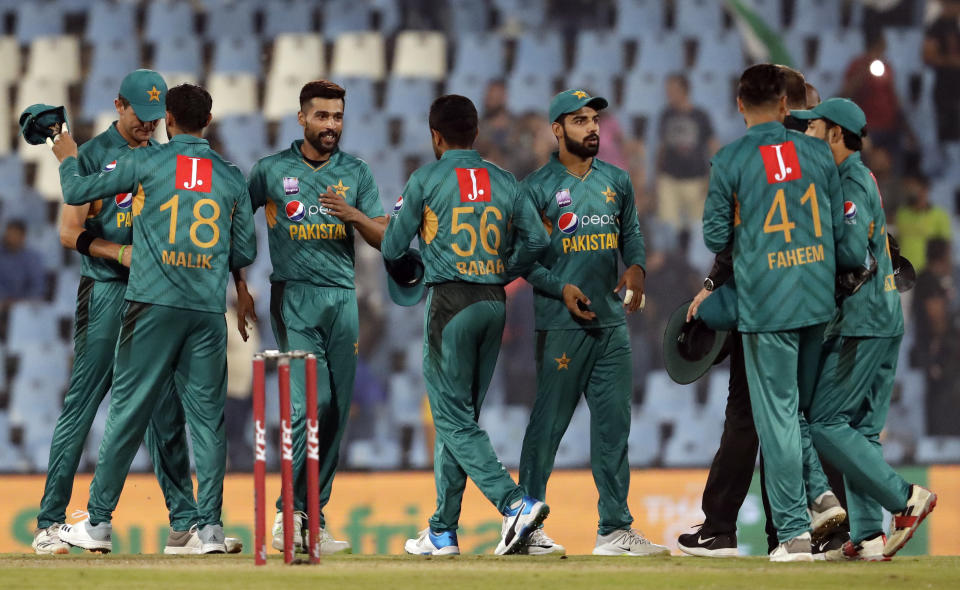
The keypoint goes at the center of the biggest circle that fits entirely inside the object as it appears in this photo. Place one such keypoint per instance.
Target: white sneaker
(329, 545)
(826, 514)
(539, 543)
(299, 545)
(47, 541)
(796, 549)
(430, 544)
(627, 542)
(211, 539)
(905, 523)
(866, 550)
(518, 523)
(85, 535)
(188, 543)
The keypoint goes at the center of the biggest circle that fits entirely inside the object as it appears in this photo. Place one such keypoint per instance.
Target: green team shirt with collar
(874, 310)
(306, 243)
(474, 224)
(109, 218)
(590, 220)
(192, 222)
(776, 194)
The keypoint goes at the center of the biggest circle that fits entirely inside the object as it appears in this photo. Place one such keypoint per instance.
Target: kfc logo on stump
(194, 174)
(780, 162)
(474, 185)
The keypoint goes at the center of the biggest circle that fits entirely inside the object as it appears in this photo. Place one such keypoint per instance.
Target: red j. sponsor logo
(194, 174)
(781, 162)
(474, 185)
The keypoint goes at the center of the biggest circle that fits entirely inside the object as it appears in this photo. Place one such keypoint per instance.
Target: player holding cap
(192, 225)
(859, 359)
(469, 214)
(97, 230)
(583, 347)
(315, 197)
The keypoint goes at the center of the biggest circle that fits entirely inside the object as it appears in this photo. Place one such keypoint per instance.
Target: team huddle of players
(162, 225)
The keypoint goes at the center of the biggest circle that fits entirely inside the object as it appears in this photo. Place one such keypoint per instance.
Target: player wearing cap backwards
(192, 224)
(859, 358)
(315, 198)
(588, 208)
(97, 230)
(776, 197)
(469, 214)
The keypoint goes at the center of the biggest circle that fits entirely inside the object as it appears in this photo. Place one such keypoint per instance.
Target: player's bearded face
(322, 122)
(581, 133)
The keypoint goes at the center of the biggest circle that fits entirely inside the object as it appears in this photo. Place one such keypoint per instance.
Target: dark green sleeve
(632, 248)
(718, 211)
(368, 195)
(78, 189)
(541, 277)
(404, 224)
(531, 237)
(256, 186)
(853, 244)
(243, 238)
(846, 259)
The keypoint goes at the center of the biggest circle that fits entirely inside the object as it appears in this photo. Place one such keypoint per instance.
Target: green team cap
(147, 93)
(842, 111)
(405, 278)
(691, 348)
(573, 100)
(40, 121)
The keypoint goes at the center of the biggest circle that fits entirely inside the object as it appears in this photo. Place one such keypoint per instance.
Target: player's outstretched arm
(531, 239)
(74, 235)
(78, 189)
(404, 223)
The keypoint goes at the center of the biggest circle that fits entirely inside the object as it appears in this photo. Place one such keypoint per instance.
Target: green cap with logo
(405, 278)
(573, 100)
(147, 93)
(842, 111)
(41, 121)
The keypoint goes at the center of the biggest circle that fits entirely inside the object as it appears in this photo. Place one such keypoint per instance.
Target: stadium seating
(41, 18)
(639, 18)
(166, 16)
(467, 17)
(813, 16)
(420, 54)
(539, 53)
(54, 57)
(233, 94)
(359, 54)
(236, 55)
(10, 57)
(114, 58)
(663, 53)
(230, 19)
(108, 21)
(694, 18)
(345, 16)
(244, 139)
(285, 17)
(300, 54)
(178, 54)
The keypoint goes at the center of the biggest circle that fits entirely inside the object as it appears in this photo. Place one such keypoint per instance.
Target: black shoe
(713, 545)
(831, 547)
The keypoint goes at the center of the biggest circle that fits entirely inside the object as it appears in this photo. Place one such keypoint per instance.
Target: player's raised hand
(692, 310)
(632, 279)
(577, 302)
(337, 206)
(245, 310)
(63, 145)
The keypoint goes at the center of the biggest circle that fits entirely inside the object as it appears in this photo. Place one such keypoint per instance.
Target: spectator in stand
(21, 268)
(941, 51)
(683, 160)
(870, 83)
(918, 222)
(937, 346)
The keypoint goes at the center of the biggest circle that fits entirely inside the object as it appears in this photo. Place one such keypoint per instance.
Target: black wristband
(83, 242)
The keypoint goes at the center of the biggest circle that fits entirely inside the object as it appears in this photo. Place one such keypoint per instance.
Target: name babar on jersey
(302, 212)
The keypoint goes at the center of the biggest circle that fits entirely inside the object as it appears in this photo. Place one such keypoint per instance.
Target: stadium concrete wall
(376, 512)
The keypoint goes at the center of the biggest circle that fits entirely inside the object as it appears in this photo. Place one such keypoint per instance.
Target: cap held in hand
(405, 278)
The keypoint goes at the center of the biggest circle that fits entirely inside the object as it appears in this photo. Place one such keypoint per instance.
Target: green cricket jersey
(776, 194)
(874, 310)
(192, 222)
(474, 224)
(109, 218)
(590, 220)
(307, 244)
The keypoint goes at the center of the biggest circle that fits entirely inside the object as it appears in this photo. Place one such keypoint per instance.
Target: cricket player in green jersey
(316, 198)
(192, 225)
(776, 196)
(859, 359)
(97, 230)
(588, 208)
(469, 214)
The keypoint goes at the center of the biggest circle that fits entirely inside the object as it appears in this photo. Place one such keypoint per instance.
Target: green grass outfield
(500, 573)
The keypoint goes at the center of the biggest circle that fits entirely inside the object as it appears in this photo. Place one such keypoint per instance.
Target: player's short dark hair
(796, 88)
(124, 102)
(455, 118)
(851, 140)
(681, 80)
(190, 106)
(322, 89)
(762, 85)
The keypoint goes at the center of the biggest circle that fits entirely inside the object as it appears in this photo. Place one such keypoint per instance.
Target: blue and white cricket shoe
(519, 522)
(430, 543)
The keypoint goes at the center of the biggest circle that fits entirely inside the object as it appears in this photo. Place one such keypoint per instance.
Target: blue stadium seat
(343, 16)
(236, 55)
(288, 131)
(771, 11)
(527, 15)
(164, 17)
(364, 134)
(637, 19)
(409, 98)
(713, 91)
(244, 139)
(814, 16)
(596, 83)
(466, 17)
(471, 45)
(662, 53)
(75, 6)
(529, 93)
(119, 55)
(40, 18)
(288, 16)
(836, 48)
(99, 93)
(829, 82)
(720, 53)
(470, 84)
(905, 53)
(694, 18)
(643, 94)
(361, 95)
(110, 20)
(13, 175)
(540, 53)
(667, 402)
(598, 51)
(230, 18)
(796, 45)
(181, 54)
